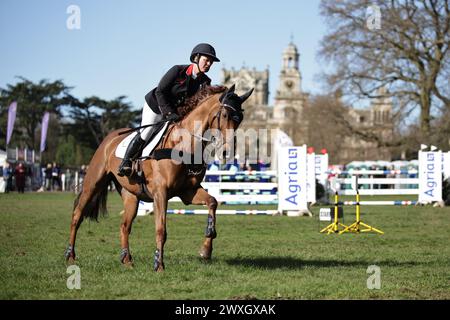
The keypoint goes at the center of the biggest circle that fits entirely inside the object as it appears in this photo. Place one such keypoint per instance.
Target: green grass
(261, 257)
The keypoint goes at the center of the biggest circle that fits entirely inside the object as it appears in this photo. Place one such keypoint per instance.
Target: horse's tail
(97, 202)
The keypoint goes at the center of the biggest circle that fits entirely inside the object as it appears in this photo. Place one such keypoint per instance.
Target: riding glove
(172, 117)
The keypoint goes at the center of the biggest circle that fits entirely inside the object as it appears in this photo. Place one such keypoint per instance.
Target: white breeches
(148, 117)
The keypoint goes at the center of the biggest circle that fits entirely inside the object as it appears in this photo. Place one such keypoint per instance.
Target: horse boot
(136, 144)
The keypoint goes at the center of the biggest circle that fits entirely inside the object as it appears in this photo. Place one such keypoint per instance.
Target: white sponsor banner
(292, 178)
(321, 168)
(311, 178)
(430, 176)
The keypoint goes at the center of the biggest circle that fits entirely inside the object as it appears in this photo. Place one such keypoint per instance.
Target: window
(290, 63)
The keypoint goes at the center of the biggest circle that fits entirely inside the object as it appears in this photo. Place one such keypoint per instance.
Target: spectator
(7, 176)
(20, 173)
(68, 181)
(48, 177)
(391, 175)
(81, 174)
(56, 177)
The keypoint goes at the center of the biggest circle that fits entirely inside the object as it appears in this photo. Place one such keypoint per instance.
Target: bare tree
(326, 130)
(407, 53)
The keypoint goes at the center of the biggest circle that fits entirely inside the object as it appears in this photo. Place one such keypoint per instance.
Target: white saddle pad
(122, 147)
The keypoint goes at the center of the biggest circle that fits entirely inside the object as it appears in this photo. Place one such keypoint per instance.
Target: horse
(158, 180)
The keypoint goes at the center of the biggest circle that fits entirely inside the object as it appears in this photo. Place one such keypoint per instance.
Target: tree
(326, 127)
(351, 134)
(33, 100)
(93, 118)
(407, 54)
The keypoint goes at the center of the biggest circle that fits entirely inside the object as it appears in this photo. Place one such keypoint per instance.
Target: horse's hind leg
(130, 202)
(81, 206)
(77, 218)
(94, 191)
(200, 196)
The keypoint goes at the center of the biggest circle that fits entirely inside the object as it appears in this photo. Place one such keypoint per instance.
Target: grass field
(262, 257)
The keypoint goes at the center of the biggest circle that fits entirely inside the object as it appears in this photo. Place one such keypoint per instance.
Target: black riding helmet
(204, 49)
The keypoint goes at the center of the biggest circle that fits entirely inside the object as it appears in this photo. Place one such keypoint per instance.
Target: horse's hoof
(70, 261)
(128, 264)
(158, 265)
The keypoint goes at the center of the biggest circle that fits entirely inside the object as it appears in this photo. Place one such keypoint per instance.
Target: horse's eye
(236, 119)
(224, 115)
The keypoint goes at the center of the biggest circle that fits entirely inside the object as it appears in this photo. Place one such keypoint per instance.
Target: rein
(218, 116)
(204, 140)
(142, 127)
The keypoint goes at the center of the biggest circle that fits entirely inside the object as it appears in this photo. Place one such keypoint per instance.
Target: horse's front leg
(160, 208)
(200, 196)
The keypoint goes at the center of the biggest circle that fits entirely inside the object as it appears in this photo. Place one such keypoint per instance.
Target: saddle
(150, 145)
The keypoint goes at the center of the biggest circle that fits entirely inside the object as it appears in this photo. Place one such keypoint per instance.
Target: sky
(125, 47)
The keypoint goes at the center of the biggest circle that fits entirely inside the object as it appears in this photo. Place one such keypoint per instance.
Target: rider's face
(205, 63)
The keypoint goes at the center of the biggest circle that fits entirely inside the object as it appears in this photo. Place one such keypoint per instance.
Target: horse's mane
(192, 102)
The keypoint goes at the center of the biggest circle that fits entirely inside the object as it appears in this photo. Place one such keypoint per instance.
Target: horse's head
(228, 117)
(212, 116)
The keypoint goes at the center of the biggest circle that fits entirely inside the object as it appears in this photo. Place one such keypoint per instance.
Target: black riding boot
(134, 147)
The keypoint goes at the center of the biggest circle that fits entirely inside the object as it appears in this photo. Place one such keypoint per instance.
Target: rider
(179, 83)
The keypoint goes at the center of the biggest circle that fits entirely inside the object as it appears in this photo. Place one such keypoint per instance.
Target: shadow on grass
(294, 263)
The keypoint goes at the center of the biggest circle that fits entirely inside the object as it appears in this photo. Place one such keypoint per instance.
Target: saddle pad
(122, 147)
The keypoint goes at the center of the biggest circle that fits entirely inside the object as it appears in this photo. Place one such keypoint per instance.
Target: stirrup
(125, 168)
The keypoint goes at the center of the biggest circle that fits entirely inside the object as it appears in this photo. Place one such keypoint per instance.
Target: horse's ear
(246, 95)
(226, 93)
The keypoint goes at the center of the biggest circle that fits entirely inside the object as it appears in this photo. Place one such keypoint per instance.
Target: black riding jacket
(175, 86)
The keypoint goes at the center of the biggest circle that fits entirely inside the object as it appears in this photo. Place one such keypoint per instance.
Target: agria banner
(292, 179)
(430, 176)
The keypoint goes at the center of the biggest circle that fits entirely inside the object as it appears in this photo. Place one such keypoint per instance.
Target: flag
(11, 119)
(45, 119)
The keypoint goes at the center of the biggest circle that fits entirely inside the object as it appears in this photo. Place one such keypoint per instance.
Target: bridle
(236, 118)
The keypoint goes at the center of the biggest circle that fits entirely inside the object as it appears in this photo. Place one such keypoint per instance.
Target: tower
(289, 99)
(244, 79)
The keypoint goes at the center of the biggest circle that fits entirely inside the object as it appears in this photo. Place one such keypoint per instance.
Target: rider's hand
(172, 117)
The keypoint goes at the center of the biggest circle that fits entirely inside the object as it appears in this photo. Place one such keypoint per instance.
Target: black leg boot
(133, 149)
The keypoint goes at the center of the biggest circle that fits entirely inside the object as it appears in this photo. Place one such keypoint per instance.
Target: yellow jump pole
(355, 227)
(334, 227)
(358, 208)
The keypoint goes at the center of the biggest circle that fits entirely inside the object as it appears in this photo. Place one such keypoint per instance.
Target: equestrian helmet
(204, 49)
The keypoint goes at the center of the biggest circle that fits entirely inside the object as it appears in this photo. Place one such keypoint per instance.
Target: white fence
(237, 192)
(400, 184)
(425, 182)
